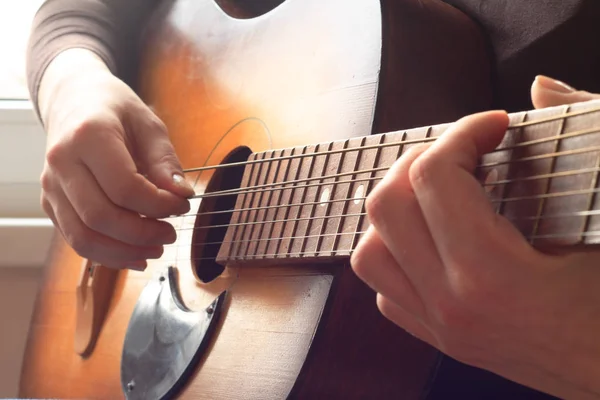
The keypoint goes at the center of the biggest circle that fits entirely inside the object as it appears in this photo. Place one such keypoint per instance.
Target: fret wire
(550, 195)
(317, 190)
(334, 190)
(541, 157)
(543, 176)
(258, 240)
(339, 234)
(256, 179)
(573, 214)
(542, 202)
(351, 250)
(272, 186)
(291, 198)
(260, 201)
(231, 192)
(247, 178)
(286, 210)
(360, 220)
(505, 188)
(592, 198)
(516, 126)
(267, 208)
(351, 185)
(493, 183)
(265, 222)
(298, 207)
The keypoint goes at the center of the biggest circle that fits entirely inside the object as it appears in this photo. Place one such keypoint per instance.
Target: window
(15, 22)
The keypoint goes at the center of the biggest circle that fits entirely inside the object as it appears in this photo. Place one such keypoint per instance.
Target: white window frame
(25, 231)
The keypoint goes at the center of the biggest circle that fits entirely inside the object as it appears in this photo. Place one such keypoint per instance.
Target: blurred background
(25, 231)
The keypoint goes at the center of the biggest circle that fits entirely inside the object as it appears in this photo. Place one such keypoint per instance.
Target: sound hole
(244, 9)
(214, 215)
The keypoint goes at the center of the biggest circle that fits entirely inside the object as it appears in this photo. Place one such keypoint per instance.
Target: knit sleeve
(109, 28)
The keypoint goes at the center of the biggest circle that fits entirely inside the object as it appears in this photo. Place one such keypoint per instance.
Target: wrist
(63, 71)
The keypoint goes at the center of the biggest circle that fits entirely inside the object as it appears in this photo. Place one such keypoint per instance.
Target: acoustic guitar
(285, 115)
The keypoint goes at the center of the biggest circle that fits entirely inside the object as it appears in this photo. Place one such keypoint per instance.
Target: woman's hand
(452, 272)
(110, 170)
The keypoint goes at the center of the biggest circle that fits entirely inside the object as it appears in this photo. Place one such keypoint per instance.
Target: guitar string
(484, 184)
(272, 186)
(382, 145)
(533, 142)
(517, 219)
(298, 205)
(493, 201)
(348, 251)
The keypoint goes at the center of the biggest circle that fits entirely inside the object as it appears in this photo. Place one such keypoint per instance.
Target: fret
(298, 192)
(335, 187)
(503, 171)
(274, 200)
(264, 198)
(567, 160)
(546, 191)
(273, 247)
(346, 205)
(232, 235)
(304, 234)
(348, 231)
(250, 223)
(592, 198)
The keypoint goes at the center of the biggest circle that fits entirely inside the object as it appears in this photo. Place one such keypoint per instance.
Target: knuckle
(421, 170)
(56, 154)
(374, 204)
(452, 316)
(94, 218)
(122, 192)
(46, 180)
(80, 241)
(157, 125)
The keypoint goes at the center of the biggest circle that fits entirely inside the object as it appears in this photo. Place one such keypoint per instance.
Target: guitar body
(228, 82)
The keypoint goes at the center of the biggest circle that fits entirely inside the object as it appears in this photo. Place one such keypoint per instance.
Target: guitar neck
(307, 203)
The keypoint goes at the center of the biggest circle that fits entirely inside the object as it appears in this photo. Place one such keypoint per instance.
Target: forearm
(69, 64)
(108, 29)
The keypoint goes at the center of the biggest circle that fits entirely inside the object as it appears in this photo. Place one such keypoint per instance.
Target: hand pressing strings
(460, 277)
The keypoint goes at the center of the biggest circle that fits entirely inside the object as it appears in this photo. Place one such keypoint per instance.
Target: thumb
(548, 92)
(156, 156)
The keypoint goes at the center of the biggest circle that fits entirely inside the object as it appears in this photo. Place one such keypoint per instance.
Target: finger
(98, 213)
(405, 320)
(548, 92)
(458, 214)
(374, 264)
(109, 160)
(157, 154)
(95, 246)
(396, 216)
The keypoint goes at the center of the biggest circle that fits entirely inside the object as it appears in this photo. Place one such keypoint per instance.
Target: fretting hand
(455, 274)
(110, 171)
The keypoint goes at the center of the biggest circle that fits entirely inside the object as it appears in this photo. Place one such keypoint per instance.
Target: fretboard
(307, 203)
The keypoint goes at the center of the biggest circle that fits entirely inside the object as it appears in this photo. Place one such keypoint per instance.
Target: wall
(25, 233)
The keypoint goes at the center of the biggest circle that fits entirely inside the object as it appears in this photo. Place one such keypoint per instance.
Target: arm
(98, 34)
(109, 160)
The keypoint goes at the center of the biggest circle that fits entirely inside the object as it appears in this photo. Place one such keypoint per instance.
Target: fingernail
(182, 183)
(138, 265)
(554, 85)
